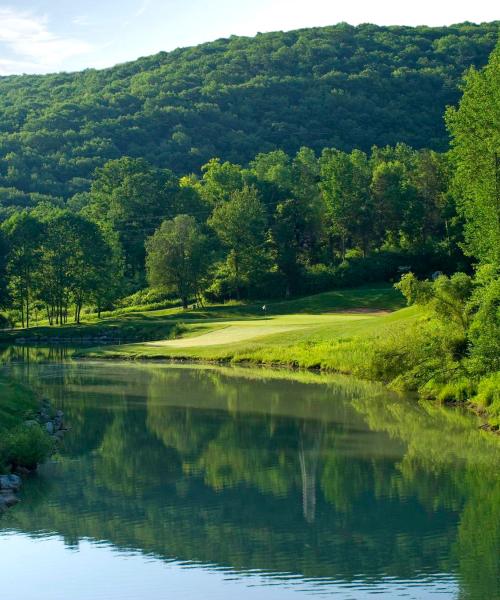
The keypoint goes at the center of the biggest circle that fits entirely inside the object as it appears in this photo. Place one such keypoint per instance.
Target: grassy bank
(16, 402)
(143, 324)
(364, 332)
(22, 446)
(134, 326)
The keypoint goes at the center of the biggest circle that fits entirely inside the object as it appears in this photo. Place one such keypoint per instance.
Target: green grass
(141, 325)
(330, 342)
(363, 332)
(20, 446)
(134, 326)
(16, 402)
(330, 331)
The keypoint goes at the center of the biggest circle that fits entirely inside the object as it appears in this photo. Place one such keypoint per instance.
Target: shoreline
(293, 368)
(28, 443)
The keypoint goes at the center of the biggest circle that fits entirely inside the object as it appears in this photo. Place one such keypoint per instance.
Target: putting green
(228, 335)
(239, 331)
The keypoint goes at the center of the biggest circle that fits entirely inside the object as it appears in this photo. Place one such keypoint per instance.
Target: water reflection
(323, 481)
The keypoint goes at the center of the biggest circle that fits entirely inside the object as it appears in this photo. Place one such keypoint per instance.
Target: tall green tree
(177, 257)
(3, 269)
(108, 280)
(305, 188)
(286, 233)
(134, 198)
(240, 225)
(75, 264)
(219, 181)
(475, 130)
(431, 179)
(24, 234)
(345, 187)
(390, 194)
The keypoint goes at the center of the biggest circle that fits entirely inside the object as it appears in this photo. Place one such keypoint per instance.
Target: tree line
(280, 226)
(56, 262)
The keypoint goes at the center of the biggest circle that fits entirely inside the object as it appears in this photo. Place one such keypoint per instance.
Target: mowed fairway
(229, 334)
(301, 332)
(240, 331)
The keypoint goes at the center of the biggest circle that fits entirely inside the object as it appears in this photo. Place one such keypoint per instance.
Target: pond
(187, 482)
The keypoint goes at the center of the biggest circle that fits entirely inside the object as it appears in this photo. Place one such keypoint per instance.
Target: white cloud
(31, 44)
(81, 20)
(145, 4)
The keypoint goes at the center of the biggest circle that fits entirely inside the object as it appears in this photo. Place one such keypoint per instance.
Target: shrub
(26, 447)
(5, 322)
(318, 278)
(488, 391)
(484, 331)
(488, 397)
(147, 296)
(410, 357)
(456, 391)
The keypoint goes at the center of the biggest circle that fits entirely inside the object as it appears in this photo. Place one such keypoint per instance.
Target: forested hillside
(342, 86)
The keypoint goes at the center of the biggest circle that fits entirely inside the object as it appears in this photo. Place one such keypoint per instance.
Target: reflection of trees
(228, 471)
(129, 459)
(448, 464)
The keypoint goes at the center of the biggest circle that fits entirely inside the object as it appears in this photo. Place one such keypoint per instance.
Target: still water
(216, 483)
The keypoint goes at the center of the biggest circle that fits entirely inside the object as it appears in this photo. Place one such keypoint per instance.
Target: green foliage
(239, 224)
(475, 129)
(57, 260)
(26, 447)
(415, 356)
(345, 183)
(488, 396)
(177, 257)
(3, 270)
(484, 330)
(147, 297)
(447, 297)
(24, 235)
(342, 86)
(132, 197)
(286, 230)
(16, 401)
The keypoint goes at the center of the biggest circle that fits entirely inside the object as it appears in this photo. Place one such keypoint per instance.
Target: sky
(41, 36)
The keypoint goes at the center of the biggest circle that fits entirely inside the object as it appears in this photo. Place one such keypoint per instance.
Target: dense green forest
(281, 226)
(342, 86)
(284, 216)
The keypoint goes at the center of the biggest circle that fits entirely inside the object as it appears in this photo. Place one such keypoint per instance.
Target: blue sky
(39, 36)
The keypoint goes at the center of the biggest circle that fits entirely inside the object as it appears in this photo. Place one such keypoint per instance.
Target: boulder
(10, 482)
(8, 499)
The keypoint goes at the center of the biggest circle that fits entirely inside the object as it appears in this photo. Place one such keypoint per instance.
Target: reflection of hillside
(269, 474)
(437, 440)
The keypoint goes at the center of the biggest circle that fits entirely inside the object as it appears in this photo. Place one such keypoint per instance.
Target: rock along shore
(52, 422)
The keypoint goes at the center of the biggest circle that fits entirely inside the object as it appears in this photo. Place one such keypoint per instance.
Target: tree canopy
(340, 86)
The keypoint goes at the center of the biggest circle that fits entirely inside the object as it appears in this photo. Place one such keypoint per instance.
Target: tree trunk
(28, 306)
(237, 276)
